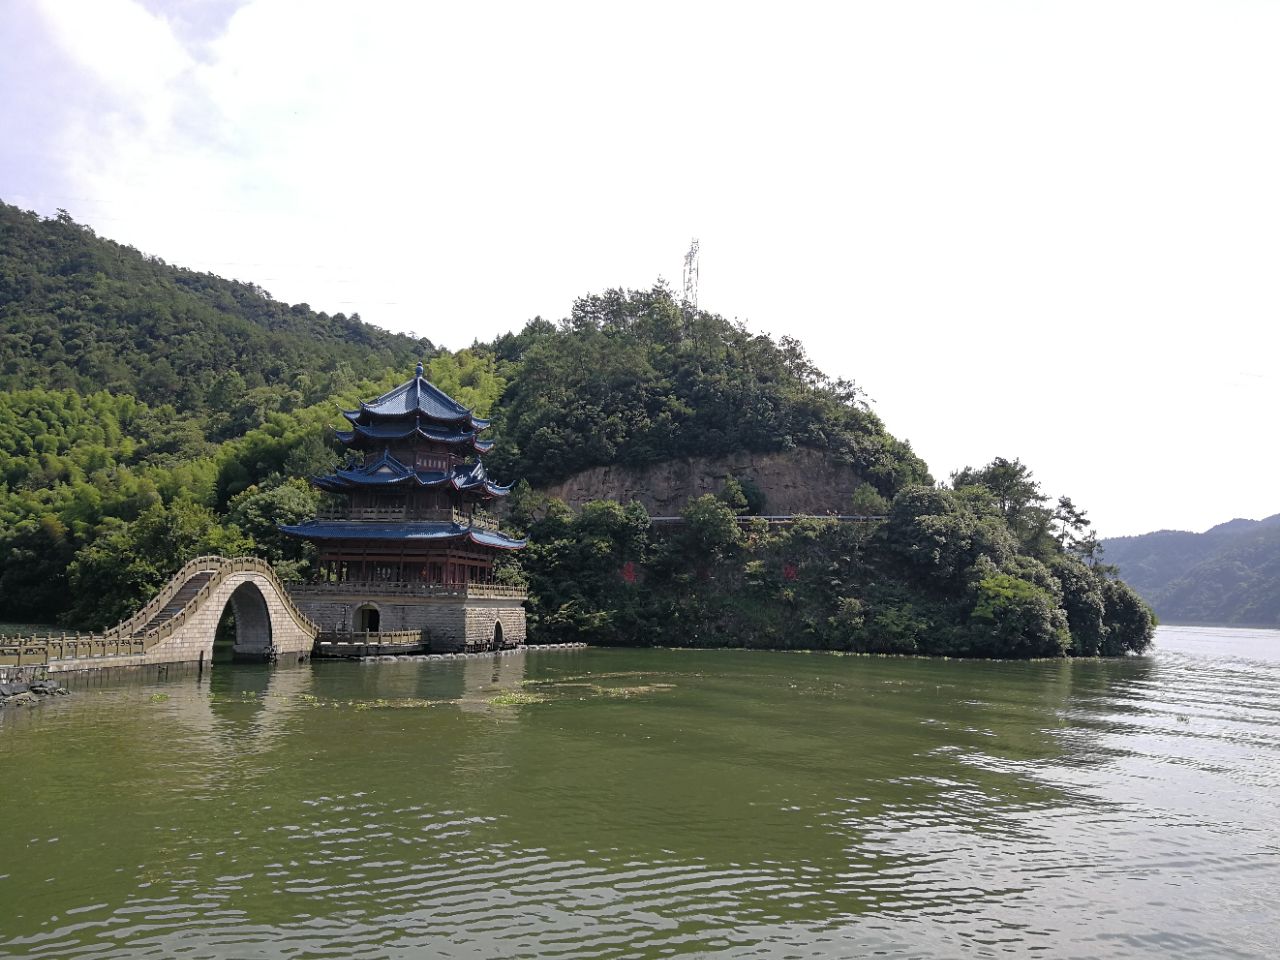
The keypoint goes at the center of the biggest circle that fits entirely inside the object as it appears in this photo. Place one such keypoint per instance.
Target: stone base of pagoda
(450, 619)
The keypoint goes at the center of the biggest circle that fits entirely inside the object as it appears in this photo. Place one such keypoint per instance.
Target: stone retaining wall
(451, 623)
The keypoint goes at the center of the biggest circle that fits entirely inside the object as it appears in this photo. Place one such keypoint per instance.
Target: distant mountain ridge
(1228, 575)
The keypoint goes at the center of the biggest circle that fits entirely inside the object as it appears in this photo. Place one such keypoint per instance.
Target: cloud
(1001, 218)
(130, 53)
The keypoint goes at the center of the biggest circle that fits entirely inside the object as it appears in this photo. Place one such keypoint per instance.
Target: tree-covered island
(150, 414)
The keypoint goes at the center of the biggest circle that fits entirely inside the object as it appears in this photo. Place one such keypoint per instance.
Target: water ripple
(763, 806)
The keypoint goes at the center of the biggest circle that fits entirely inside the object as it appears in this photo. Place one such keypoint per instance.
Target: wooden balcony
(480, 519)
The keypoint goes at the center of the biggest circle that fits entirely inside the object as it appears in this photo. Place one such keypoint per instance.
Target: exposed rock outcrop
(800, 481)
(19, 694)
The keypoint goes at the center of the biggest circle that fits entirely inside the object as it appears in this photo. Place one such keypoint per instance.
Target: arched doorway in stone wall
(497, 635)
(244, 629)
(367, 617)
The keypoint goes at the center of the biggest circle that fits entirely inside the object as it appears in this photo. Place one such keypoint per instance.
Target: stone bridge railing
(227, 569)
(130, 626)
(125, 639)
(369, 637)
(41, 651)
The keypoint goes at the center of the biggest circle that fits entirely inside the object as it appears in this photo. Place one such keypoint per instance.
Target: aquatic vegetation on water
(310, 699)
(394, 703)
(515, 698)
(634, 691)
(586, 685)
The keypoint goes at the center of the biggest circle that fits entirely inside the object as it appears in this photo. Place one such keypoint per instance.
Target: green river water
(654, 803)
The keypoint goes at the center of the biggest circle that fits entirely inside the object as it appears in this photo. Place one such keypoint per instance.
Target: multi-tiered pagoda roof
(418, 397)
(415, 409)
(426, 439)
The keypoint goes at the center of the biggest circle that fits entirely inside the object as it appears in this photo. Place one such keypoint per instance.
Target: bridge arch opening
(368, 617)
(497, 635)
(244, 629)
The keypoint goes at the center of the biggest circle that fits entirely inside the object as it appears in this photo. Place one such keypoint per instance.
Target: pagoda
(406, 544)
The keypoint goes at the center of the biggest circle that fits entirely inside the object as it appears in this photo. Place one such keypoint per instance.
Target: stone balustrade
(41, 651)
(404, 588)
(186, 634)
(370, 637)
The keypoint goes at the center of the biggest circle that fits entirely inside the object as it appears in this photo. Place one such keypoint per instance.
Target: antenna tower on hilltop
(691, 282)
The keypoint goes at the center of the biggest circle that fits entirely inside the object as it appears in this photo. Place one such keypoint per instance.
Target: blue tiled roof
(478, 477)
(416, 397)
(387, 471)
(402, 430)
(433, 530)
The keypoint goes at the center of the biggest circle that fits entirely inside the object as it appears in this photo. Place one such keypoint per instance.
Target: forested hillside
(149, 414)
(986, 569)
(83, 313)
(628, 378)
(148, 411)
(1228, 575)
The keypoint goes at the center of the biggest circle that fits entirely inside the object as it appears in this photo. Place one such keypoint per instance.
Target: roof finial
(419, 368)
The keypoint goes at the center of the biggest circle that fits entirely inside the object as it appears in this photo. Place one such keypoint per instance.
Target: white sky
(1046, 231)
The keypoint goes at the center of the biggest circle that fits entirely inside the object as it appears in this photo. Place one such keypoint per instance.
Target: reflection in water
(247, 705)
(651, 803)
(487, 677)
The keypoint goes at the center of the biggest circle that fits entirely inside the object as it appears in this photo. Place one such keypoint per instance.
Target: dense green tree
(868, 502)
(757, 500)
(256, 513)
(1016, 495)
(710, 529)
(733, 496)
(33, 573)
(1084, 604)
(581, 570)
(469, 376)
(134, 559)
(1128, 624)
(939, 537)
(1016, 618)
(823, 584)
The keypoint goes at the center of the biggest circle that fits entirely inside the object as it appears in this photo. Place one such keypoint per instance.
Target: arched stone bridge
(179, 624)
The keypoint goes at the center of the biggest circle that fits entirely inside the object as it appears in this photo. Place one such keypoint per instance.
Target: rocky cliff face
(794, 482)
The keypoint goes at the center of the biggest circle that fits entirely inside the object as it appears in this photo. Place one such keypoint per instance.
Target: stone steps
(175, 605)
